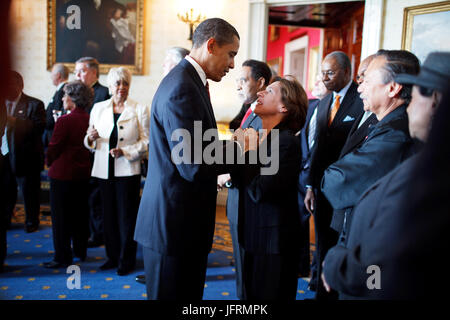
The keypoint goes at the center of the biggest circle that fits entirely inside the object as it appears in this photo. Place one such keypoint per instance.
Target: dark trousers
(174, 277)
(238, 254)
(3, 213)
(30, 186)
(270, 276)
(95, 211)
(70, 218)
(326, 238)
(120, 198)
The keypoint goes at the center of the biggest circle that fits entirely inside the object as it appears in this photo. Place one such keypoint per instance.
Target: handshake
(248, 139)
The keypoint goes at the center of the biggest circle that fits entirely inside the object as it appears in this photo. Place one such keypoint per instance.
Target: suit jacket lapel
(204, 93)
(322, 115)
(346, 104)
(21, 107)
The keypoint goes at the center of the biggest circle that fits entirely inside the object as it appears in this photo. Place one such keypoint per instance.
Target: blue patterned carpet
(26, 279)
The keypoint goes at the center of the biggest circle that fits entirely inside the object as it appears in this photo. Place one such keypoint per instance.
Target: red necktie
(247, 114)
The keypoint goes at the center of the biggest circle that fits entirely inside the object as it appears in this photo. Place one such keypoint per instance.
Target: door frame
(259, 23)
(295, 45)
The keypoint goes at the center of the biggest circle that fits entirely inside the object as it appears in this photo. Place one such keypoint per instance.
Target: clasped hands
(93, 135)
(248, 138)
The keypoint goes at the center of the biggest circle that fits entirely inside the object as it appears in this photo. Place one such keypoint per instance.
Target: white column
(373, 27)
(257, 29)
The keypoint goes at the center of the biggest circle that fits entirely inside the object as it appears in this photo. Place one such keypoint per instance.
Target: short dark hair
(81, 95)
(259, 69)
(342, 60)
(215, 28)
(397, 62)
(15, 78)
(295, 100)
(92, 63)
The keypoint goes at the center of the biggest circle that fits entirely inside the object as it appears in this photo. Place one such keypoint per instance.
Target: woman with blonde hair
(118, 134)
(270, 224)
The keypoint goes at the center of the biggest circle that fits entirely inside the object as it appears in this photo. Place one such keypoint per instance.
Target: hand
(222, 179)
(310, 200)
(248, 139)
(56, 114)
(116, 152)
(92, 134)
(325, 283)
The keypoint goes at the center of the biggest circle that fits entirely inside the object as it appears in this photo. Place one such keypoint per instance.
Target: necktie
(9, 109)
(334, 110)
(312, 129)
(207, 89)
(247, 114)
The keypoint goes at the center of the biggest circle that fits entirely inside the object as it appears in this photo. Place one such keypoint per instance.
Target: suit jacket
(55, 104)
(357, 135)
(177, 210)
(132, 125)
(253, 121)
(236, 122)
(67, 158)
(306, 159)
(330, 140)
(26, 151)
(387, 145)
(101, 93)
(370, 236)
(268, 216)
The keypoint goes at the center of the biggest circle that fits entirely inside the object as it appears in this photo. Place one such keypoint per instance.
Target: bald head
(363, 67)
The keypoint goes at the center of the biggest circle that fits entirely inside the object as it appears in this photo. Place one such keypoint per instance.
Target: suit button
(121, 139)
(121, 127)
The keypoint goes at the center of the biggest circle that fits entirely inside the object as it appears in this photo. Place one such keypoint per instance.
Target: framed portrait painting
(109, 30)
(425, 28)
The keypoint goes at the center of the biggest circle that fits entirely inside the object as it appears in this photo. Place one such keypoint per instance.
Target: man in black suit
(176, 219)
(254, 77)
(400, 223)
(336, 114)
(307, 135)
(386, 145)
(59, 75)
(87, 71)
(23, 153)
(356, 137)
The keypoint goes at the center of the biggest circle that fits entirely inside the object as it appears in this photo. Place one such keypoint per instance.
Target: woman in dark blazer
(270, 225)
(69, 172)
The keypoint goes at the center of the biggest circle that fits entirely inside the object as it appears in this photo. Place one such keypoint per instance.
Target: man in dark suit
(356, 137)
(175, 223)
(400, 222)
(336, 114)
(24, 153)
(388, 142)
(254, 77)
(87, 70)
(307, 135)
(59, 75)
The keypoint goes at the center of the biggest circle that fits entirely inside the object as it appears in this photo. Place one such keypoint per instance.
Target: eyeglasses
(328, 73)
(426, 92)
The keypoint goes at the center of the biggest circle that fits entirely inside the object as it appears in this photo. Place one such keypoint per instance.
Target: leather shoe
(140, 278)
(123, 271)
(108, 265)
(54, 265)
(31, 228)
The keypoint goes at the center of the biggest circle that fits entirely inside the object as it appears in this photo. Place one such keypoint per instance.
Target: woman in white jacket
(118, 134)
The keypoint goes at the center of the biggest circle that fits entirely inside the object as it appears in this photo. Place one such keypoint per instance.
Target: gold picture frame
(276, 65)
(425, 28)
(112, 33)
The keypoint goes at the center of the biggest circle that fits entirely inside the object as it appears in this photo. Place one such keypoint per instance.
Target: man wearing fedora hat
(387, 255)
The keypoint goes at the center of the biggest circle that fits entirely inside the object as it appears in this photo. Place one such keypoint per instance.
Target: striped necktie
(335, 109)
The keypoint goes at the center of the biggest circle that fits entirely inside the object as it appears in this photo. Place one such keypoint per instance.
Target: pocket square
(348, 118)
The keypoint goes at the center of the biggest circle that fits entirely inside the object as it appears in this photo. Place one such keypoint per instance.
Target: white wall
(162, 30)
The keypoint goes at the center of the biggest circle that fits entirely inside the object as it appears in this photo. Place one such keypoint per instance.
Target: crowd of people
(351, 158)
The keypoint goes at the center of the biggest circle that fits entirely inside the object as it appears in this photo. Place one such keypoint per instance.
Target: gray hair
(178, 53)
(342, 60)
(92, 63)
(62, 70)
(118, 74)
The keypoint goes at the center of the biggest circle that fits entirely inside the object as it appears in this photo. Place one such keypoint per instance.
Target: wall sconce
(189, 18)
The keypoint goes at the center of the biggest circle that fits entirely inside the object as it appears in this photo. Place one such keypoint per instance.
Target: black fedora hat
(434, 73)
